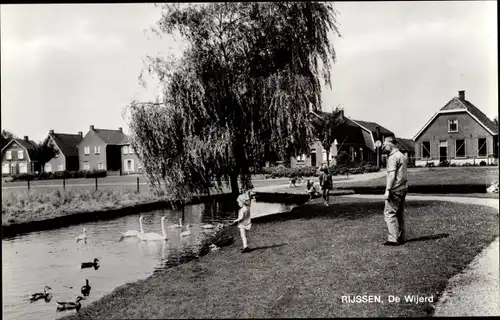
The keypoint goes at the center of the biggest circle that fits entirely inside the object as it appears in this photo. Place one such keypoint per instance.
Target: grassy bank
(37, 205)
(437, 176)
(303, 262)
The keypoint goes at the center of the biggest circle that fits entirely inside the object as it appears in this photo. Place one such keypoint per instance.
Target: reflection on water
(54, 258)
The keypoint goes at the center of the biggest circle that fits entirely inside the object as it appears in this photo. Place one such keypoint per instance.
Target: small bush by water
(27, 206)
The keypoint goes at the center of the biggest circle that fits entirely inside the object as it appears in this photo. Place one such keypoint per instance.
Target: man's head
(389, 145)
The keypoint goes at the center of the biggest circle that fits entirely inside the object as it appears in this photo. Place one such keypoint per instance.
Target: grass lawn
(436, 176)
(306, 260)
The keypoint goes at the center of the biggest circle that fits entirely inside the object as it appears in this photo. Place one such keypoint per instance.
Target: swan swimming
(83, 236)
(153, 236)
(174, 226)
(132, 233)
(187, 232)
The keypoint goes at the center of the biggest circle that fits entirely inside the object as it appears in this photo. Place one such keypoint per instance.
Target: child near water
(244, 222)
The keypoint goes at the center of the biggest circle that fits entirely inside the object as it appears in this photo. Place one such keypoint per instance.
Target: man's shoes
(393, 244)
(245, 250)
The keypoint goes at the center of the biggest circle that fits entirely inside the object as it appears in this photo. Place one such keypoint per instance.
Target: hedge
(61, 175)
(284, 172)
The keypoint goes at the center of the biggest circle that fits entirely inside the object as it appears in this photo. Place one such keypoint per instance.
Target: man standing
(395, 192)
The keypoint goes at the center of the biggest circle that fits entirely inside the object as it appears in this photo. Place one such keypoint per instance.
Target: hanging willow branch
(240, 92)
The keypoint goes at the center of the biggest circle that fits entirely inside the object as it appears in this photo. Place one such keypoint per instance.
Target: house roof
(67, 143)
(28, 145)
(113, 137)
(406, 144)
(125, 141)
(369, 127)
(458, 105)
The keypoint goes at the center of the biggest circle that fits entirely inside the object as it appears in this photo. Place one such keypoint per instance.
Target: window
(48, 167)
(125, 149)
(23, 167)
(60, 167)
(460, 148)
(20, 154)
(97, 149)
(5, 168)
(86, 165)
(100, 166)
(129, 165)
(453, 125)
(426, 149)
(481, 147)
(301, 157)
(8, 155)
(87, 150)
(131, 150)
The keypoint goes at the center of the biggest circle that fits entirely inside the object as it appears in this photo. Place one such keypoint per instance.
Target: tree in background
(44, 152)
(6, 137)
(326, 128)
(241, 91)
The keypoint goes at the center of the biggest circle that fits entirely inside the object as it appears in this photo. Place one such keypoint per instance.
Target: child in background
(244, 222)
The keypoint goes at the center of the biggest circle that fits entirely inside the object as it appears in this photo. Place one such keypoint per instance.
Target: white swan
(83, 236)
(208, 226)
(153, 236)
(187, 232)
(132, 233)
(174, 226)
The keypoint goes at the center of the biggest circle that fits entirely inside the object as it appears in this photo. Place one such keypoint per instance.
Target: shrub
(444, 163)
(342, 159)
(482, 163)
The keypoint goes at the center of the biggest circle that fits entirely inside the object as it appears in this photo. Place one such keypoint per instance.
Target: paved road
(475, 291)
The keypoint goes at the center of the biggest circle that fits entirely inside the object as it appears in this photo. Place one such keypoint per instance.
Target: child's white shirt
(244, 217)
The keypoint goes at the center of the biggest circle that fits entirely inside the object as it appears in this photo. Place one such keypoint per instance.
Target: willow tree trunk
(234, 185)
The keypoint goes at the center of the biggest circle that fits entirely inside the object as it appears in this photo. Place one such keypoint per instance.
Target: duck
(132, 233)
(187, 232)
(94, 264)
(176, 226)
(86, 288)
(70, 305)
(153, 236)
(83, 236)
(39, 295)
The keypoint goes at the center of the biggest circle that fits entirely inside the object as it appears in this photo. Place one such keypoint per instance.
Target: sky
(66, 67)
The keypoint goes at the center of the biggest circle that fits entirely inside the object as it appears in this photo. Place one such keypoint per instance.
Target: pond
(54, 258)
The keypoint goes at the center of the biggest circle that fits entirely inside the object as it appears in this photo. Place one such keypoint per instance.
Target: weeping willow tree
(240, 92)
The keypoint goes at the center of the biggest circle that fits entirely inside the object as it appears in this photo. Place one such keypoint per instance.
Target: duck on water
(41, 295)
(94, 264)
(70, 305)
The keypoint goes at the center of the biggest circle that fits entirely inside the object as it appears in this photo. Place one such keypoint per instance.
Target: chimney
(26, 138)
(91, 127)
(120, 129)
(51, 131)
(461, 94)
(80, 134)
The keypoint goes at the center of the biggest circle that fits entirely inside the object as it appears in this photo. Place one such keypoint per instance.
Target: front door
(13, 171)
(313, 159)
(443, 151)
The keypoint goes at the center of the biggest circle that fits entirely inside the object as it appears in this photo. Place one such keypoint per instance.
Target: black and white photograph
(241, 160)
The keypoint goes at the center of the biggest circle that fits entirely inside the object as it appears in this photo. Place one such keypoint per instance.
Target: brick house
(67, 144)
(458, 133)
(130, 160)
(17, 157)
(100, 150)
(407, 147)
(356, 139)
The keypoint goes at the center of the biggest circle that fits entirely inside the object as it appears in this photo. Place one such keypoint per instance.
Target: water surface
(53, 257)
